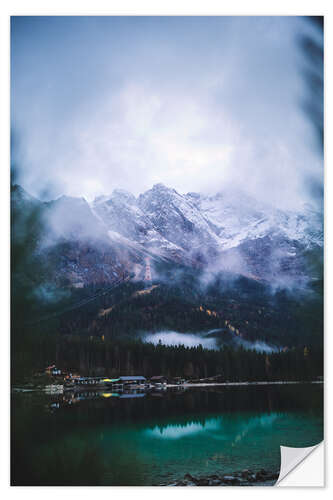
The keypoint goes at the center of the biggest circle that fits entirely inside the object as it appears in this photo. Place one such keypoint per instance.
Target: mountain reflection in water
(218, 428)
(178, 431)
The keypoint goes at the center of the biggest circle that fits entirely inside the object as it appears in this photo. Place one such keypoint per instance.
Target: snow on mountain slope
(177, 219)
(227, 231)
(127, 222)
(238, 218)
(204, 224)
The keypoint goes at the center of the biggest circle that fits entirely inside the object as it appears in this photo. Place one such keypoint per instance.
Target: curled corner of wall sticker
(302, 467)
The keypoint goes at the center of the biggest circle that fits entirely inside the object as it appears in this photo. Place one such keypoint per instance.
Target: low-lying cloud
(172, 338)
(257, 345)
(176, 338)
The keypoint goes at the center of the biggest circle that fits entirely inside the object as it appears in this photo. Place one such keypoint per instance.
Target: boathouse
(133, 379)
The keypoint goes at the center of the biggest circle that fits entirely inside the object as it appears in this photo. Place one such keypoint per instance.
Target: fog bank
(208, 340)
(176, 338)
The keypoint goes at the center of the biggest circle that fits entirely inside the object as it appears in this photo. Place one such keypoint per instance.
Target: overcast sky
(197, 103)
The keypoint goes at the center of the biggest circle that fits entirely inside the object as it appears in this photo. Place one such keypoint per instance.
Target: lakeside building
(52, 370)
(159, 379)
(102, 382)
(132, 379)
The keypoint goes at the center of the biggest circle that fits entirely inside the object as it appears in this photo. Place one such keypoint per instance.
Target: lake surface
(155, 438)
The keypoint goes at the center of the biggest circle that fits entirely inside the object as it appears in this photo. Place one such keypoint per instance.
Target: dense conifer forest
(106, 334)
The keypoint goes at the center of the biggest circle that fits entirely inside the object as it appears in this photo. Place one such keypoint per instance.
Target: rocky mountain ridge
(225, 232)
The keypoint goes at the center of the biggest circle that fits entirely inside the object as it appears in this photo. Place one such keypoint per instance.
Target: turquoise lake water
(155, 438)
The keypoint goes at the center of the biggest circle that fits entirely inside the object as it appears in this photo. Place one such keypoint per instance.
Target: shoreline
(52, 388)
(243, 478)
(268, 382)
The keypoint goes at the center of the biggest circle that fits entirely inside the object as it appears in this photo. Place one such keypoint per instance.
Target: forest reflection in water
(100, 438)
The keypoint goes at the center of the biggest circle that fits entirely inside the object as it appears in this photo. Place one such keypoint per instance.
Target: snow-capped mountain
(196, 222)
(205, 226)
(227, 231)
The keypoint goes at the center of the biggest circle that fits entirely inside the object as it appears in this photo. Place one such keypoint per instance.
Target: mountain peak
(160, 187)
(20, 194)
(124, 195)
(71, 200)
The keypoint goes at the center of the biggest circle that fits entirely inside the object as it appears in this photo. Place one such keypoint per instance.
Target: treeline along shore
(131, 356)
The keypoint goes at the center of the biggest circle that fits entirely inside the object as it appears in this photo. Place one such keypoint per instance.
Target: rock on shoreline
(243, 478)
